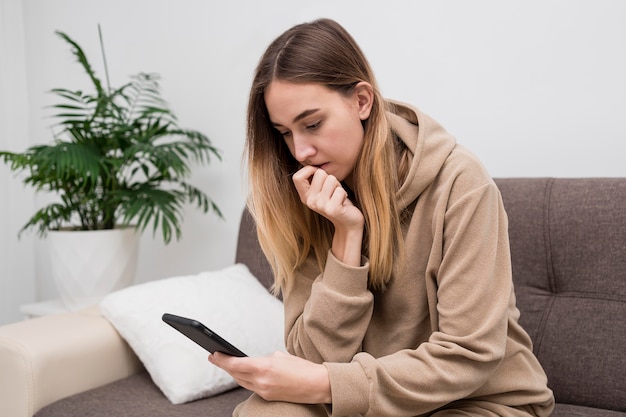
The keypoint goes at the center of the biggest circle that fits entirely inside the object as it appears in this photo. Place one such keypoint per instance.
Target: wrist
(322, 385)
(346, 246)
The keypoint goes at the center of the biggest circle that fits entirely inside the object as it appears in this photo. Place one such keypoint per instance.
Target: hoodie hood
(429, 143)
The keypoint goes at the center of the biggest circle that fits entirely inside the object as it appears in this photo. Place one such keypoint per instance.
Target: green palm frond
(51, 217)
(83, 61)
(161, 207)
(201, 200)
(49, 167)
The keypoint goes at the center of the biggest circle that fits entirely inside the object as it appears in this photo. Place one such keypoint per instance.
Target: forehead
(286, 100)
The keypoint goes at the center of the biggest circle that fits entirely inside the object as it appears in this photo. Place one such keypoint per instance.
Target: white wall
(535, 88)
(17, 272)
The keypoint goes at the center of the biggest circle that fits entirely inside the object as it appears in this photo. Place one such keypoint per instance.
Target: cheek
(350, 131)
(353, 138)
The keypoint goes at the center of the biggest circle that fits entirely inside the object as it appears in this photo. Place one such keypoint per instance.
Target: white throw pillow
(231, 302)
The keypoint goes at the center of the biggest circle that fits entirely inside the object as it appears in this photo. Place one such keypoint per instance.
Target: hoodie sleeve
(326, 317)
(469, 269)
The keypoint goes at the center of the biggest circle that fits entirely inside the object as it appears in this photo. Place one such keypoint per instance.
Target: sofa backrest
(568, 249)
(249, 252)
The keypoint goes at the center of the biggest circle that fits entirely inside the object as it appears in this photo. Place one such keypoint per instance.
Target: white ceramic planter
(87, 265)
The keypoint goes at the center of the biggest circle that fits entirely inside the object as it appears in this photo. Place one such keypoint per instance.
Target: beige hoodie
(445, 331)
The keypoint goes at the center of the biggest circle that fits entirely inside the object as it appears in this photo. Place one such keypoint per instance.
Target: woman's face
(321, 127)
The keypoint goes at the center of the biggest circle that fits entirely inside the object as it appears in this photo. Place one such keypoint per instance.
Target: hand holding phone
(201, 334)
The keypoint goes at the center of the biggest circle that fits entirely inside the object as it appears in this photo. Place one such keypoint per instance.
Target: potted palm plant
(119, 162)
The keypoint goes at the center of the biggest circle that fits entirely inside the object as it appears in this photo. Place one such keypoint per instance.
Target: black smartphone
(201, 334)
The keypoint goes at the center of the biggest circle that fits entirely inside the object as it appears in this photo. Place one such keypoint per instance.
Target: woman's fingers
(302, 181)
(325, 195)
(315, 187)
(339, 196)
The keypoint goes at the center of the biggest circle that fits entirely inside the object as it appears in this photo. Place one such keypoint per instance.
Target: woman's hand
(324, 194)
(278, 377)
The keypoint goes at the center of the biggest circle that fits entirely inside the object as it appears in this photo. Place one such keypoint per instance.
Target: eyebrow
(300, 116)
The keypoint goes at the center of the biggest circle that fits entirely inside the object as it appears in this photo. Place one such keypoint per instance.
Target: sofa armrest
(52, 357)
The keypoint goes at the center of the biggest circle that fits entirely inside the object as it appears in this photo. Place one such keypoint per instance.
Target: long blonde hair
(320, 52)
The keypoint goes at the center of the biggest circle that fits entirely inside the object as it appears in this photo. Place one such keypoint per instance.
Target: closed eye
(314, 125)
(283, 133)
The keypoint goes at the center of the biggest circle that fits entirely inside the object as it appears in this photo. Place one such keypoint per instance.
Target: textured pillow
(230, 302)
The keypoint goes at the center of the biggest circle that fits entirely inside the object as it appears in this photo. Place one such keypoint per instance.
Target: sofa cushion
(568, 245)
(567, 410)
(137, 396)
(231, 302)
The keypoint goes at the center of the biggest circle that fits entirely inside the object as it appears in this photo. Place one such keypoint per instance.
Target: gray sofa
(568, 243)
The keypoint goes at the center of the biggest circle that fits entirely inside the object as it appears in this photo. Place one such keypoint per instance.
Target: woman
(389, 245)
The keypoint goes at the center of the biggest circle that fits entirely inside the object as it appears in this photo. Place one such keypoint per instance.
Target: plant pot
(87, 265)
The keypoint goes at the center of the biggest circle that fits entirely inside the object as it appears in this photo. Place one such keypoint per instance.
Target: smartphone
(201, 334)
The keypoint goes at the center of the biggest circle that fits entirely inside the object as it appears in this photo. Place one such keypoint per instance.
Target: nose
(303, 149)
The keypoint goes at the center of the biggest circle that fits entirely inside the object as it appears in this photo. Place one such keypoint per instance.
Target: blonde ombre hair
(321, 52)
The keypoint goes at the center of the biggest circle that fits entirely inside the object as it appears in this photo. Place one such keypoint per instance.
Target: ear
(364, 94)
